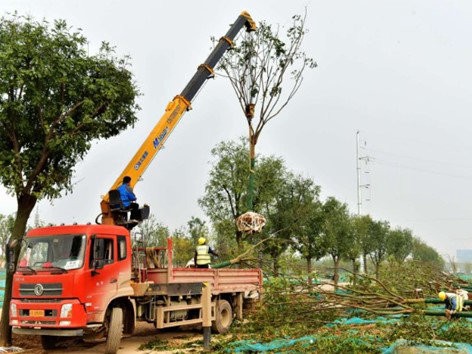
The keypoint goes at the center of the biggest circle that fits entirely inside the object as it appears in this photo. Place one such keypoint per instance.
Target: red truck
(88, 280)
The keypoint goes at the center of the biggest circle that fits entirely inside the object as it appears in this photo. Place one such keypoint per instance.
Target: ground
(129, 345)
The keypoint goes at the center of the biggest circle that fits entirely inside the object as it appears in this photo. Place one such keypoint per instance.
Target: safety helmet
(442, 296)
(202, 241)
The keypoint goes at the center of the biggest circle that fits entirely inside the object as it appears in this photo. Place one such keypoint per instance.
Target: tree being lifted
(257, 69)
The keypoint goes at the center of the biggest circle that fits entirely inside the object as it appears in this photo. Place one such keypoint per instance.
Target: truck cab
(68, 280)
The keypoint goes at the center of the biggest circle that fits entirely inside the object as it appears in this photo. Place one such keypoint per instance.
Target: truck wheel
(223, 317)
(48, 342)
(115, 330)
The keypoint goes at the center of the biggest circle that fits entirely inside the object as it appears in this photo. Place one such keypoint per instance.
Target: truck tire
(223, 317)
(115, 331)
(48, 342)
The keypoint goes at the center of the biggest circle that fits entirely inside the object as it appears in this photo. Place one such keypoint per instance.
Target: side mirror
(97, 255)
(99, 263)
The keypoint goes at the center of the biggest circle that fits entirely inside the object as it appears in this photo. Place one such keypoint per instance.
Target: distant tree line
(298, 221)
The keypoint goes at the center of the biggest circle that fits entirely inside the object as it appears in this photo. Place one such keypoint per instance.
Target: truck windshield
(58, 251)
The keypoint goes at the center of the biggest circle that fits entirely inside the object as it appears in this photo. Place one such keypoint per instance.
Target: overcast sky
(397, 71)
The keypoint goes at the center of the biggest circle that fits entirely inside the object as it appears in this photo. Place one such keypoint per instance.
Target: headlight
(13, 312)
(66, 310)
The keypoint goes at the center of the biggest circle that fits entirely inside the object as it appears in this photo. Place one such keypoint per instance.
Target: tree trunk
(26, 205)
(355, 270)
(275, 266)
(336, 272)
(308, 270)
(239, 240)
(252, 157)
(364, 257)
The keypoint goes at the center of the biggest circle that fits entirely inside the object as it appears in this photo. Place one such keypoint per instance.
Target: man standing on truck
(128, 198)
(202, 254)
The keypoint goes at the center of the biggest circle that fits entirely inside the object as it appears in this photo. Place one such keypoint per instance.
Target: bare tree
(258, 67)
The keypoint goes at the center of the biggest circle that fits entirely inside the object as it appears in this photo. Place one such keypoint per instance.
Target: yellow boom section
(154, 142)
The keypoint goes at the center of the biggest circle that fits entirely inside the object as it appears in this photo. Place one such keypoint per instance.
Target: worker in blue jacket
(128, 198)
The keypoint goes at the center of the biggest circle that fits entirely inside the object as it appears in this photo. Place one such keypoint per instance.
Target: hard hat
(201, 241)
(442, 296)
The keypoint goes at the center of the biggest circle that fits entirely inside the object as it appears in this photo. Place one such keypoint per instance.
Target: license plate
(37, 313)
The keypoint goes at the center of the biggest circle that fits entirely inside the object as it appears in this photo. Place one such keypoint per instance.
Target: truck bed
(158, 275)
(221, 280)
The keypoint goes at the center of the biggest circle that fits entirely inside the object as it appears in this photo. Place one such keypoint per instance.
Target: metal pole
(206, 315)
(359, 201)
(358, 170)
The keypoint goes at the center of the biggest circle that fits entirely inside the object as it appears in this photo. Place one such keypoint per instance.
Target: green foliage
(425, 330)
(378, 236)
(197, 228)
(156, 344)
(184, 249)
(226, 192)
(6, 230)
(153, 232)
(55, 100)
(422, 252)
(403, 278)
(337, 232)
(399, 244)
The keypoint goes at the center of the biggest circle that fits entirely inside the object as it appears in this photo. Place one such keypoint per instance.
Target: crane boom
(173, 113)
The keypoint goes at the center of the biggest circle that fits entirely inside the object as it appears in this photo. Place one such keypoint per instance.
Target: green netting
(252, 346)
(439, 346)
(466, 277)
(361, 321)
(362, 343)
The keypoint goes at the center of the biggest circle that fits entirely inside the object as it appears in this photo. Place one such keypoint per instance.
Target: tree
(306, 210)
(225, 192)
(197, 228)
(362, 225)
(424, 253)
(287, 217)
(258, 68)
(399, 244)
(183, 248)
(55, 99)
(378, 235)
(337, 232)
(153, 232)
(357, 226)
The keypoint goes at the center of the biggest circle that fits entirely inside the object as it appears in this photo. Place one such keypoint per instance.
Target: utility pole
(362, 260)
(358, 170)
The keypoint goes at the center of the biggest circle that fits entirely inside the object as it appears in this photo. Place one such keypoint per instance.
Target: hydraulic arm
(172, 115)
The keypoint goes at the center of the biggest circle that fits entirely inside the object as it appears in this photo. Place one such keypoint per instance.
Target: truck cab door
(103, 273)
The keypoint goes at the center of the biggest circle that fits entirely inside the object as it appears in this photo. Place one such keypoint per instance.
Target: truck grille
(41, 289)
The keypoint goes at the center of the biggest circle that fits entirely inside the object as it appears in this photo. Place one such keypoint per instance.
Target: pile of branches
(399, 289)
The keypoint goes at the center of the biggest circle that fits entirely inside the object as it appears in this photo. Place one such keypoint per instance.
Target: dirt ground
(144, 333)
